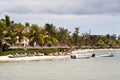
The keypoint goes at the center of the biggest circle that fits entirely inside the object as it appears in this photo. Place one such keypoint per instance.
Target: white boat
(79, 56)
(107, 55)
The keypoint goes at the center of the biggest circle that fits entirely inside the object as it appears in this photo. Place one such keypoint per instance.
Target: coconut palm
(51, 29)
(63, 36)
(7, 20)
(34, 34)
(52, 34)
(75, 36)
(43, 37)
(19, 31)
(4, 33)
(9, 24)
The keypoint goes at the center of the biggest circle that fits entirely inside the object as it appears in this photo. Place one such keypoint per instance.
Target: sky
(100, 17)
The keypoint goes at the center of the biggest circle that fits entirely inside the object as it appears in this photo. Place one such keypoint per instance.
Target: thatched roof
(37, 47)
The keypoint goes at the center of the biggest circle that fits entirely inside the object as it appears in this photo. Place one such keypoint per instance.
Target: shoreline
(90, 50)
(33, 58)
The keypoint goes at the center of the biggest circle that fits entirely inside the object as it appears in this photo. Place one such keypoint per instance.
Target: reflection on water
(68, 69)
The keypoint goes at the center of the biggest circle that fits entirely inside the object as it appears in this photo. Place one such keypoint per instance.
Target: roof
(37, 47)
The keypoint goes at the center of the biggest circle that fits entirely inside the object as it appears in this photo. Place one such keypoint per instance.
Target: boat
(107, 55)
(79, 56)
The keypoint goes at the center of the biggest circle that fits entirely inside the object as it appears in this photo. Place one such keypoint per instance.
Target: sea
(99, 68)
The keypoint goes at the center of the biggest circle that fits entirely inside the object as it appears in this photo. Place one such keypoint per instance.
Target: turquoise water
(67, 69)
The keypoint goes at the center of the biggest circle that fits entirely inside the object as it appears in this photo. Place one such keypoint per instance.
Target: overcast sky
(98, 16)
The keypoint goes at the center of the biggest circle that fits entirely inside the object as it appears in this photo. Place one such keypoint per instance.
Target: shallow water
(103, 68)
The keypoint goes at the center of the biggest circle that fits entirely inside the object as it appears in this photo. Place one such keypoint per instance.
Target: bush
(46, 51)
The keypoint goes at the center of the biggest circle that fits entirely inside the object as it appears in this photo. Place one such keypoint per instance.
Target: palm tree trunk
(1, 44)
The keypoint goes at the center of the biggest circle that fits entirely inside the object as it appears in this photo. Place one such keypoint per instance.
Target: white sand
(6, 58)
(89, 50)
(82, 50)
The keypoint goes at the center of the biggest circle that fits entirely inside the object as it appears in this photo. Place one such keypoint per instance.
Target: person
(93, 55)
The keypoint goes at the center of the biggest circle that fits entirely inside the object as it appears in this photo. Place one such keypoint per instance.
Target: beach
(89, 50)
(99, 68)
(6, 58)
(31, 58)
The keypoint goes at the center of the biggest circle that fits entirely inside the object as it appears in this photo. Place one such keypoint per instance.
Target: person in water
(93, 55)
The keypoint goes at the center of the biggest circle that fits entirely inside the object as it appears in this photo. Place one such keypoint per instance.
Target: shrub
(20, 51)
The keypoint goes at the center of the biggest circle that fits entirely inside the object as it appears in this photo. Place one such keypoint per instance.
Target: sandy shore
(6, 58)
(90, 50)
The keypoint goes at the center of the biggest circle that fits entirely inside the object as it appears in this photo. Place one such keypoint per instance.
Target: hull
(107, 55)
(79, 56)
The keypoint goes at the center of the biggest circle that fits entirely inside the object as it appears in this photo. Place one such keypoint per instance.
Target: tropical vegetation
(12, 33)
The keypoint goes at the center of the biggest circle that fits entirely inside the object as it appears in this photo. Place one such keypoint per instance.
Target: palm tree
(7, 20)
(51, 29)
(6, 31)
(10, 24)
(52, 34)
(5, 36)
(75, 36)
(86, 39)
(43, 37)
(101, 43)
(63, 36)
(19, 31)
(34, 34)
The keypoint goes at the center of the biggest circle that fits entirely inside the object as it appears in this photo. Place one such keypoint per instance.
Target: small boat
(79, 56)
(107, 55)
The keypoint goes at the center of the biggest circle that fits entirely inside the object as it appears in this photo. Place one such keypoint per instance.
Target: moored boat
(107, 55)
(79, 56)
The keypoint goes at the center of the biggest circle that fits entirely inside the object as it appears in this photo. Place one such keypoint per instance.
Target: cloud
(61, 6)
(99, 16)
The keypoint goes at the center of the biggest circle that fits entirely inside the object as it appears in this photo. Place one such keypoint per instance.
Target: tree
(27, 24)
(63, 36)
(43, 37)
(112, 43)
(86, 39)
(101, 43)
(113, 37)
(51, 29)
(52, 34)
(19, 31)
(5, 36)
(75, 36)
(34, 34)
(106, 39)
(119, 37)
(7, 20)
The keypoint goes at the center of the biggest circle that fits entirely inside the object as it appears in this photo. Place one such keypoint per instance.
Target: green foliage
(7, 20)
(76, 36)
(46, 51)
(63, 36)
(101, 43)
(49, 35)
